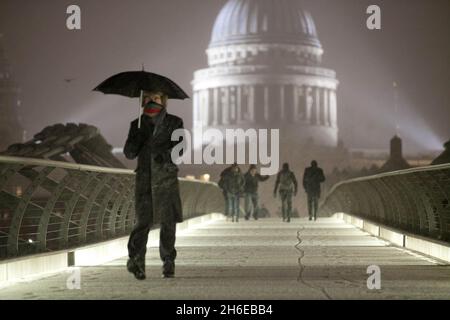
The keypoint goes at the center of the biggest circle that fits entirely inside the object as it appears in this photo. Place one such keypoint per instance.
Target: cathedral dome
(265, 71)
(264, 21)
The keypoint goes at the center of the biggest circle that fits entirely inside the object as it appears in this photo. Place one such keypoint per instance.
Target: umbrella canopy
(132, 83)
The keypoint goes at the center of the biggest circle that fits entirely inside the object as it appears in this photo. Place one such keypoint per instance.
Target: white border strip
(47, 264)
(425, 246)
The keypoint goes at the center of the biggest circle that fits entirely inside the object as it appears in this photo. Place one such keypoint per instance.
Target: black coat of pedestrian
(234, 182)
(223, 176)
(251, 182)
(156, 174)
(312, 178)
(286, 182)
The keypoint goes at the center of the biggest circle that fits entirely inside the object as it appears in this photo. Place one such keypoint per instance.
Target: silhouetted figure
(312, 178)
(234, 184)
(252, 178)
(286, 185)
(157, 193)
(221, 184)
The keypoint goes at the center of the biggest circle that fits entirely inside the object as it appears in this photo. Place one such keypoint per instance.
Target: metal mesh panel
(414, 200)
(48, 205)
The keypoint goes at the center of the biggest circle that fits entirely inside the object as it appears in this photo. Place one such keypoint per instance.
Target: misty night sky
(170, 37)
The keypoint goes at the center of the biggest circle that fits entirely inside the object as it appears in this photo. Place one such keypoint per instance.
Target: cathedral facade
(265, 71)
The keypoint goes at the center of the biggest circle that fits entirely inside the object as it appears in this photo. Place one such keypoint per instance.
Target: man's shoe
(310, 218)
(137, 268)
(169, 269)
(131, 267)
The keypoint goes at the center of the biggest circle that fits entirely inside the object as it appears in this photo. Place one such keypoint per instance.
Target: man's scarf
(152, 108)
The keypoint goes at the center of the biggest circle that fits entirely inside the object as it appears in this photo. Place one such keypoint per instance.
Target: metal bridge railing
(50, 205)
(413, 200)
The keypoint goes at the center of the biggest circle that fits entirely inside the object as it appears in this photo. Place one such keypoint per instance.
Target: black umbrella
(133, 83)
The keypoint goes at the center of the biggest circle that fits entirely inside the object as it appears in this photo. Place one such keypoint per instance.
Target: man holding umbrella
(157, 195)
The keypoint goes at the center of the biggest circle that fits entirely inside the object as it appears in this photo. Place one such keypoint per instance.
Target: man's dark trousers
(251, 205)
(137, 244)
(286, 204)
(313, 203)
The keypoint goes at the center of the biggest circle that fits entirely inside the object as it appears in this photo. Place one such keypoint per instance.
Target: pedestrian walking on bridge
(286, 185)
(312, 178)
(157, 193)
(234, 183)
(252, 179)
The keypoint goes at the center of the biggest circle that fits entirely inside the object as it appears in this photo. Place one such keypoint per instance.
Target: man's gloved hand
(140, 135)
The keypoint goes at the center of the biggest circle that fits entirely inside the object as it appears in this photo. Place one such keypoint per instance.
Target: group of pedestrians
(235, 185)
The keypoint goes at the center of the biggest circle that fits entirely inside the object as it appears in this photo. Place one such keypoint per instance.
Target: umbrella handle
(140, 109)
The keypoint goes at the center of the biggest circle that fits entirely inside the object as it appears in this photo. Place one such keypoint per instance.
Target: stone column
(239, 104)
(232, 103)
(225, 106)
(317, 104)
(296, 104)
(205, 107)
(301, 103)
(329, 108)
(215, 120)
(309, 104)
(251, 103)
(326, 113)
(333, 109)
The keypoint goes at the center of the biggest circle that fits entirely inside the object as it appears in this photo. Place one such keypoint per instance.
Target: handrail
(414, 200)
(76, 166)
(50, 205)
(61, 164)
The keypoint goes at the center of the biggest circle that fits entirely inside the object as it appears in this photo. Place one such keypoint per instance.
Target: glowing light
(19, 191)
(205, 177)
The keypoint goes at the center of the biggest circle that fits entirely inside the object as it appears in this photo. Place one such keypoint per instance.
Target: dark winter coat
(251, 182)
(312, 178)
(223, 175)
(234, 182)
(286, 182)
(157, 189)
